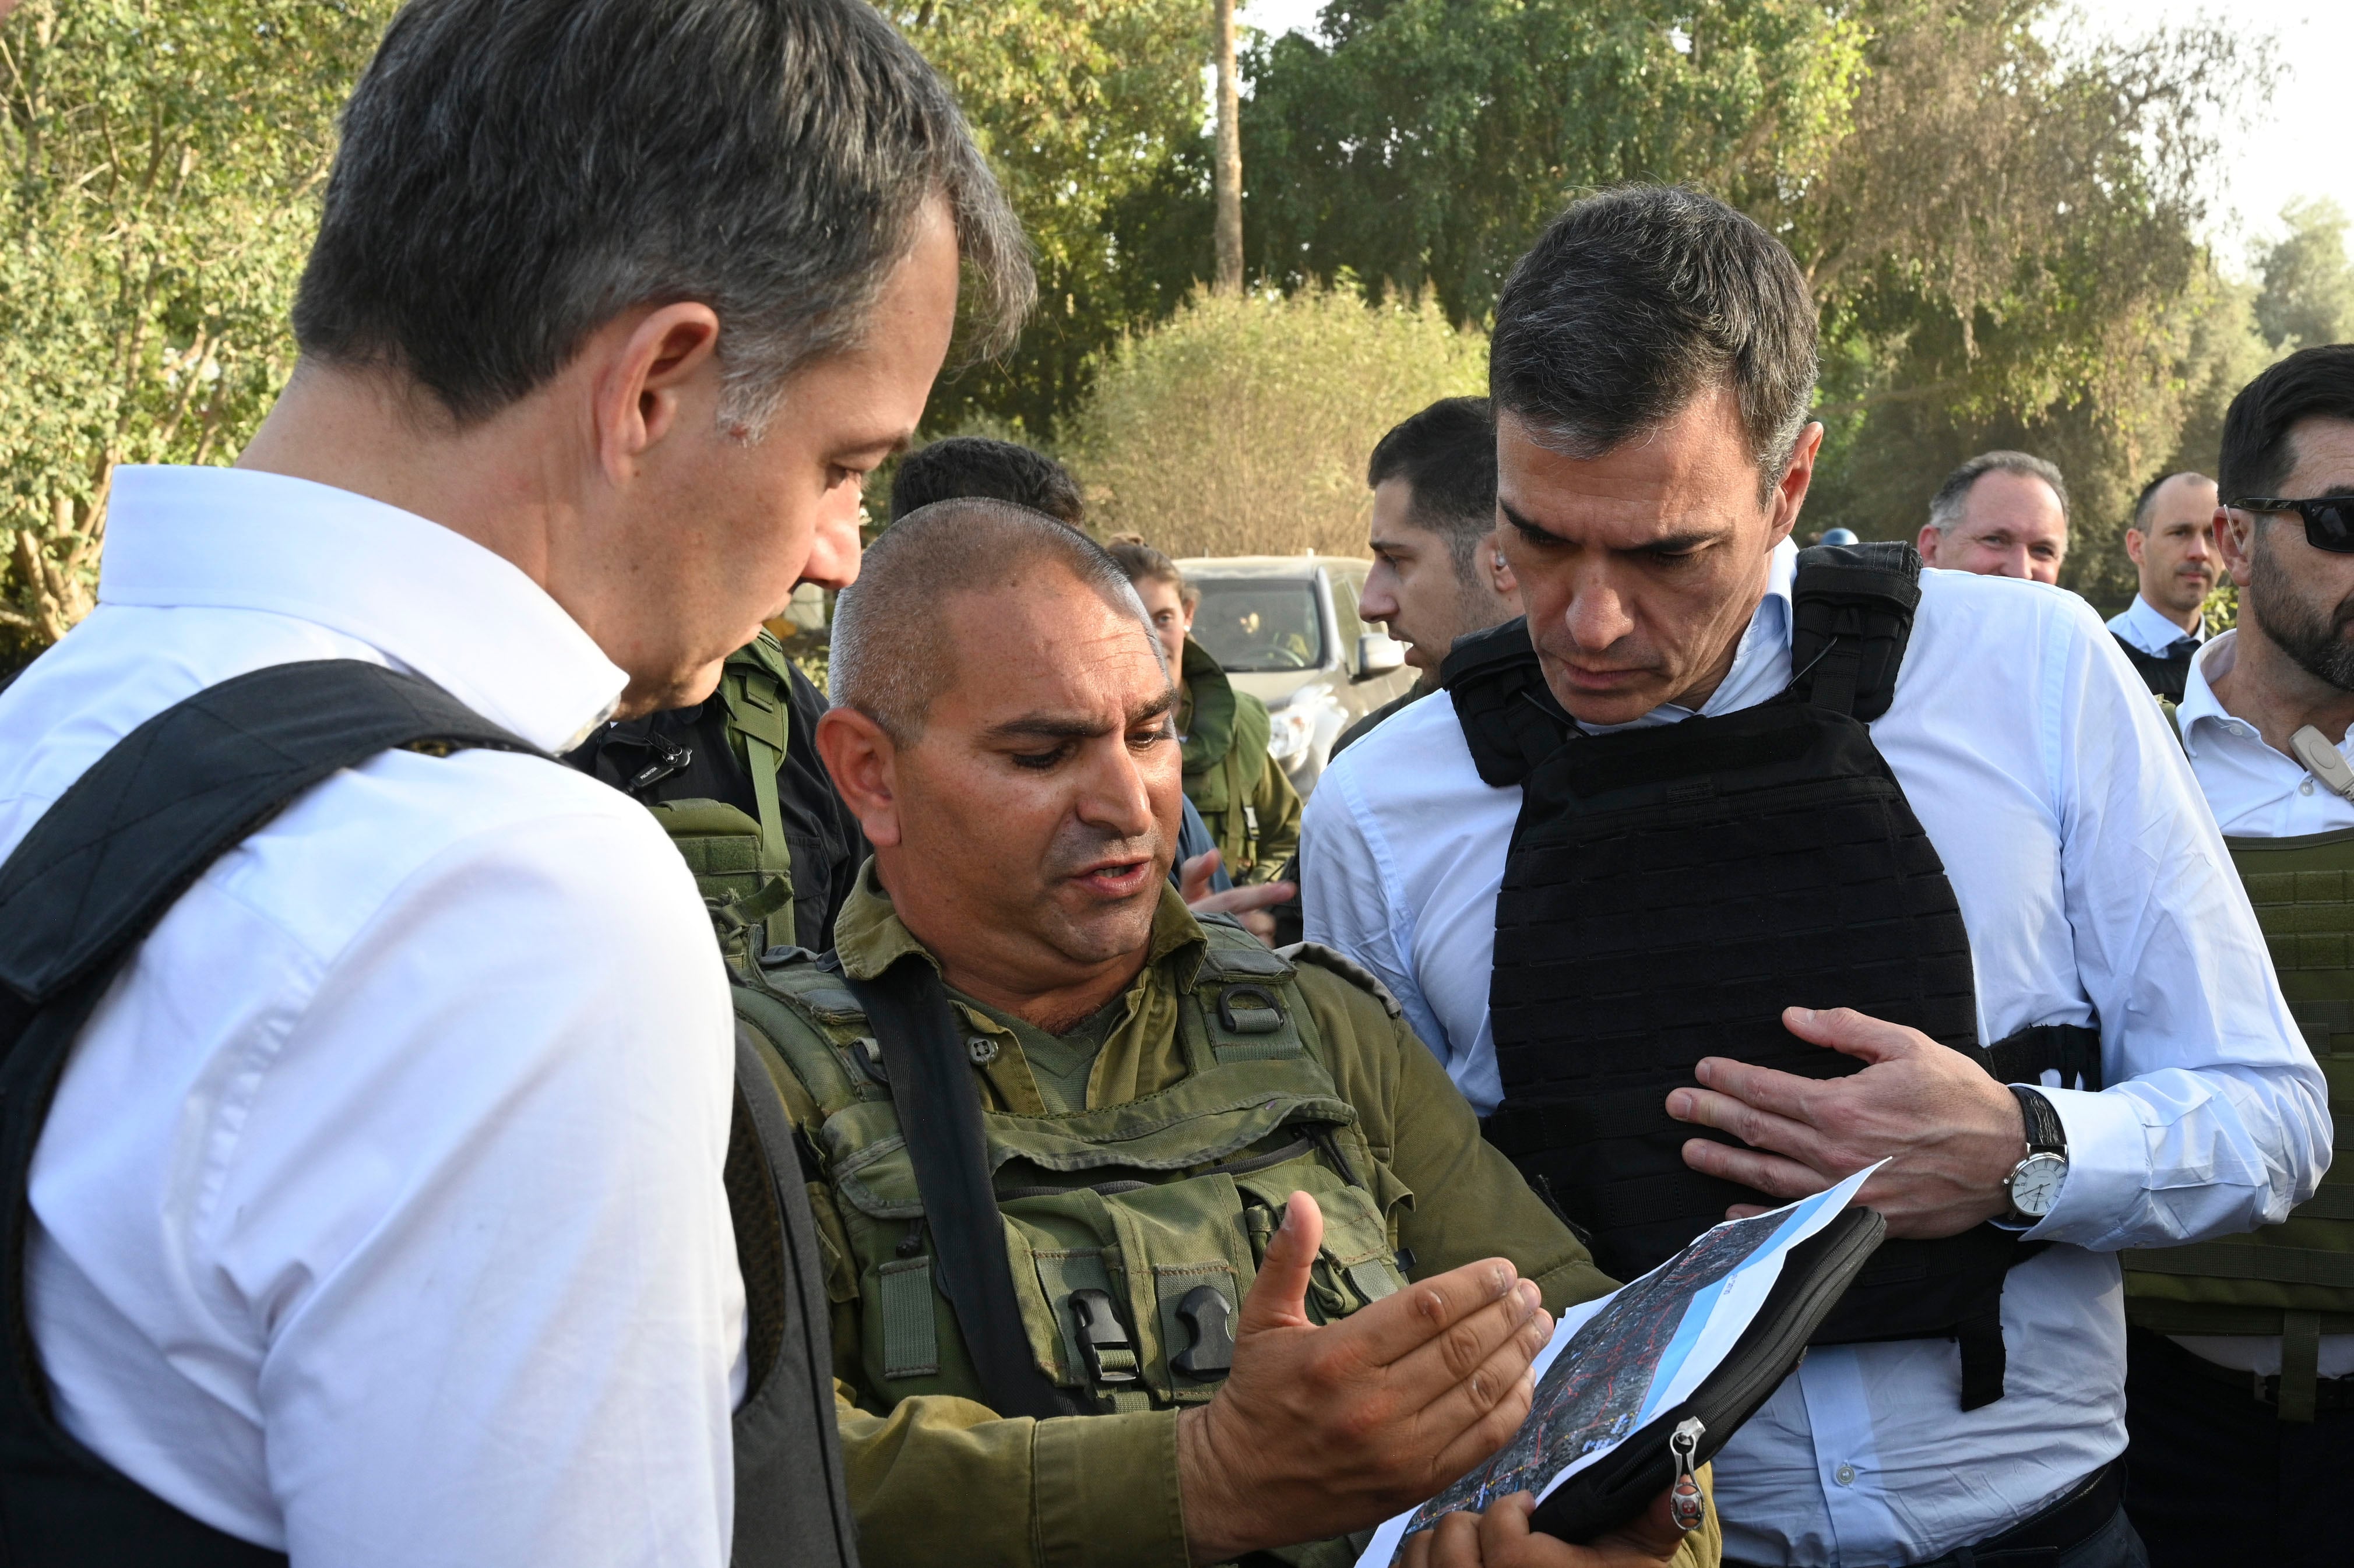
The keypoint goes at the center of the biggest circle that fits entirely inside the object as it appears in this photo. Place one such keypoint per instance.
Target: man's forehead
(2186, 496)
(1042, 637)
(2015, 498)
(2322, 455)
(1694, 471)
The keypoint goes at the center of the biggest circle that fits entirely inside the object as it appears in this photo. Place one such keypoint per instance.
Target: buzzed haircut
(891, 652)
(2150, 492)
(1144, 564)
(1447, 456)
(515, 173)
(2312, 383)
(977, 465)
(1636, 301)
(1945, 507)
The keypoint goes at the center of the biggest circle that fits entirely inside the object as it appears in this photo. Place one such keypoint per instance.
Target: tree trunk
(1227, 169)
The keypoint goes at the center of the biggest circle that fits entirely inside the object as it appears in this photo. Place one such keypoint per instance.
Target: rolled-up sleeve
(2214, 1119)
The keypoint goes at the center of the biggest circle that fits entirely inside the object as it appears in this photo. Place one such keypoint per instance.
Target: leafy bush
(1241, 426)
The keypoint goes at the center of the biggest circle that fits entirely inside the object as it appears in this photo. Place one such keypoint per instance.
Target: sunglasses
(2328, 519)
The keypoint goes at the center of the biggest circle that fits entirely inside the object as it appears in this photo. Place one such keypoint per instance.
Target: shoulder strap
(1510, 718)
(85, 886)
(1851, 616)
(754, 692)
(939, 1115)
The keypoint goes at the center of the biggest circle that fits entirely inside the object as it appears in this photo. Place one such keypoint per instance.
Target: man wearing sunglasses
(2240, 1389)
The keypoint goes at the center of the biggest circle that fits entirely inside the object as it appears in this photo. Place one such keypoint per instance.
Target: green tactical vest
(1134, 1230)
(743, 868)
(1225, 753)
(2296, 1278)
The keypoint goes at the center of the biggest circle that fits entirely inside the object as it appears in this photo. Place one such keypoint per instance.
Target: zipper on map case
(1685, 1504)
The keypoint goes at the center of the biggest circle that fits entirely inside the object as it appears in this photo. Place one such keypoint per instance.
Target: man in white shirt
(2175, 556)
(1999, 515)
(2039, 825)
(378, 1218)
(2241, 1391)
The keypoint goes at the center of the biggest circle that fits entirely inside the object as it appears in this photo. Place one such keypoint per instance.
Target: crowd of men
(487, 1040)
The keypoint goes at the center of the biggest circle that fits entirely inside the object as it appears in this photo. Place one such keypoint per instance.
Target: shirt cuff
(2108, 1166)
(1106, 1491)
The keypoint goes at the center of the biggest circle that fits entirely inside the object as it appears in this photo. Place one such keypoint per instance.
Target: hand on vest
(1319, 1431)
(1951, 1133)
(1500, 1538)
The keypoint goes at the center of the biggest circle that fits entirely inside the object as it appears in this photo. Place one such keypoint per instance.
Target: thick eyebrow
(1065, 726)
(1667, 545)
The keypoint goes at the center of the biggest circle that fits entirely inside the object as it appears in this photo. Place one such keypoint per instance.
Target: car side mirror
(1377, 656)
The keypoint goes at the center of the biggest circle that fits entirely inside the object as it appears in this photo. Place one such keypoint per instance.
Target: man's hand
(1244, 904)
(1319, 1431)
(1500, 1538)
(1951, 1134)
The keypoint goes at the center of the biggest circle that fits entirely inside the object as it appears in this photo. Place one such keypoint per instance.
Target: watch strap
(2045, 1135)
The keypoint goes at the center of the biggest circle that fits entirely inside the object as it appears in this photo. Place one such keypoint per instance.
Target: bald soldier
(1145, 1244)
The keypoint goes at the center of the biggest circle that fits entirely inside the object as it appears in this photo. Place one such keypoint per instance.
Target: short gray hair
(514, 174)
(890, 652)
(1945, 507)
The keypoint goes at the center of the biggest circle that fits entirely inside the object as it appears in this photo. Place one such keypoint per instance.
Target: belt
(2328, 1393)
(2041, 1538)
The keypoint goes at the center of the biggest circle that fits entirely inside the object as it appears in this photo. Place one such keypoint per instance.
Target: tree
(2309, 289)
(1227, 168)
(1242, 424)
(163, 163)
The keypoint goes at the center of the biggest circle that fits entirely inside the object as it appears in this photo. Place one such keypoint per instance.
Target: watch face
(2035, 1185)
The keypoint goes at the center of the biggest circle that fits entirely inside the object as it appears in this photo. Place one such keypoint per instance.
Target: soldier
(2239, 1387)
(1090, 1172)
(1248, 803)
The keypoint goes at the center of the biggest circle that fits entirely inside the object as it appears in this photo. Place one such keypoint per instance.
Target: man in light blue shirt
(2173, 551)
(1652, 367)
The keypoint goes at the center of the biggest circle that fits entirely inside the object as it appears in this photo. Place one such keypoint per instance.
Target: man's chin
(1106, 931)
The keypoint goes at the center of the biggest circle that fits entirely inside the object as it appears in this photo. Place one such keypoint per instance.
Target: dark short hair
(976, 465)
(1145, 563)
(889, 654)
(2141, 502)
(1635, 302)
(2317, 381)
(514, 174)
(1945, 507)
(1447, 456)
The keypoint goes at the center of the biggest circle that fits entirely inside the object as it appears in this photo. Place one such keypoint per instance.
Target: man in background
(1437, 573)
(2240, 1380)
(2000, 514)
(2172, 548)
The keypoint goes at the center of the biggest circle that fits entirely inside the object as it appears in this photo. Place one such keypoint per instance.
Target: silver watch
(2035, 1182)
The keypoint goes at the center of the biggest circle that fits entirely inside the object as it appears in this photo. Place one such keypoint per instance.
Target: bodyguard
(1733, 869)
(383, 1213)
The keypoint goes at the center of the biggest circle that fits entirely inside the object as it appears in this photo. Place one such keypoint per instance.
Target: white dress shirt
(2147, 628)
(2096, 889)
(2255, 793)
(379, 1219)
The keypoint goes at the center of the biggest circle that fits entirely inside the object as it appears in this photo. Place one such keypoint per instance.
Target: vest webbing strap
(99, 869)
(939, 1115)
(2250, 1260)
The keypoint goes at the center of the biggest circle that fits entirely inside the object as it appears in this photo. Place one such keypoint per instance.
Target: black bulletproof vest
(1669, 890)
(88, 882)
(2165, 677)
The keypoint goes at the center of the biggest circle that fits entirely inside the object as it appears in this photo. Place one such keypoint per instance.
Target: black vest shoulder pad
(1851, 614)
(1509, 715)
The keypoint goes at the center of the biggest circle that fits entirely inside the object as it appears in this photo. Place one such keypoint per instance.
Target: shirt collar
(2151, 631)
(429, 599)
(869, 937)
(1760, 664)
(2199, 704)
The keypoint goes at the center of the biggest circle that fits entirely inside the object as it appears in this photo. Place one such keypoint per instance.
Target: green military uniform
(1246, 800)
(1141, 1160)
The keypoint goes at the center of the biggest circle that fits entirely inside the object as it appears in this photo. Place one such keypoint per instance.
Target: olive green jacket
(937, 1477)
(1245, 798)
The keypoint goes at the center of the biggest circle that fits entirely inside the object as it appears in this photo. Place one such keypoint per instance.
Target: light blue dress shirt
(2097, 890)
(2140, 624)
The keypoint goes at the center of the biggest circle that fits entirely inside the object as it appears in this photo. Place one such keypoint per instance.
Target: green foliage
(162, 160)
(1091, 114)
(1243, 424)
(2309, 289)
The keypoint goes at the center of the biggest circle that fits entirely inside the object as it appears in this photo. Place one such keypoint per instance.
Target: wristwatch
(2034, 1184)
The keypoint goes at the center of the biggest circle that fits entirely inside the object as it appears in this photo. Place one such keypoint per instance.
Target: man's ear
(1494, 570)
(1927, 544)
(1790, 490)
(2134, 546)
(2235, 541)
(648, 379)
(865, 762)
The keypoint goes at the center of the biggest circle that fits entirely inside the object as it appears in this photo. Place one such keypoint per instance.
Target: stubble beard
(2317, 643)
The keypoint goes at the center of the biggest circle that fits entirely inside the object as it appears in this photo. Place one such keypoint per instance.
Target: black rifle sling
(96, 873)
(932, 1090)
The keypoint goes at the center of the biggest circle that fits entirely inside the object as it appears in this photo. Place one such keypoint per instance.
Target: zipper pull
(1685, 1503)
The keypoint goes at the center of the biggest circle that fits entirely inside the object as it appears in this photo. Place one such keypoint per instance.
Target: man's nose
(834, 550)
(1596, 616)
(2015, 564)
(1376, 602)
(1114, 795)
(2197, 550)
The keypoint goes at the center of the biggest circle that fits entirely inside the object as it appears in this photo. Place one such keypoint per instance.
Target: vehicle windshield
(1259, 623)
